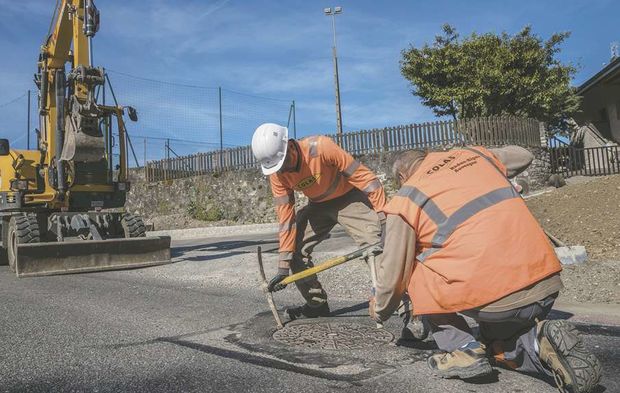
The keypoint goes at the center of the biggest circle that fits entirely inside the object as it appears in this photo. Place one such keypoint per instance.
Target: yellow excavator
(62, 205)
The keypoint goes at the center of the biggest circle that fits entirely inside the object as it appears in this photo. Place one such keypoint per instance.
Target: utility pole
(294, 121)
(28, 125)
(291, 115)
(221, 132)
(332, 12)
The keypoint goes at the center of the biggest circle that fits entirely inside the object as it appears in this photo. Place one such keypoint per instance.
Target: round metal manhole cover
(333, 336)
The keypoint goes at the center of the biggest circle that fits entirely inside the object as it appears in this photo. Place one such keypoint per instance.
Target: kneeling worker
(340, 191)
(460, 239)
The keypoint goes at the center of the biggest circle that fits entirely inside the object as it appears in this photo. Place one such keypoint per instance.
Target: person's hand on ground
(371, 309)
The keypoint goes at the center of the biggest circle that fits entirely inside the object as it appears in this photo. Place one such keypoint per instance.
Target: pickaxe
(366, 252)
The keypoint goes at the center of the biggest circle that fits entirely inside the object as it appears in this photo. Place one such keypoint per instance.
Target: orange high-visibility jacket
(476, 239)
(325, 172)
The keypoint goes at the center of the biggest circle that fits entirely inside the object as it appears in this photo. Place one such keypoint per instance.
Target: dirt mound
(586, 213)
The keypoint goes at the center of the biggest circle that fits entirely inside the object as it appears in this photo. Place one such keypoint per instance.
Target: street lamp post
(333, 12)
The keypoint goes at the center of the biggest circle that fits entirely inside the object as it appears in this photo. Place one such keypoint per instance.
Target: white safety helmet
(269, 145)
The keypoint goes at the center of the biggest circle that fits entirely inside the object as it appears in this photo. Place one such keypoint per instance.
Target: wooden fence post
(385, 141)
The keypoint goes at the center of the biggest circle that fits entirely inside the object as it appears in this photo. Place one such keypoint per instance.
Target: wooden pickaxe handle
(556, 242)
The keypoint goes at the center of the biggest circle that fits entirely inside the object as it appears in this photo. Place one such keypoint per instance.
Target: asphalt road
(202, 324)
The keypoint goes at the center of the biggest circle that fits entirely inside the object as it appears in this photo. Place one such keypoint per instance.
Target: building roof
(607, 74)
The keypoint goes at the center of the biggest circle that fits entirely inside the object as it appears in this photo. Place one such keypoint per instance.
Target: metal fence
(592, 161)
(489, 131)
(181, 119)
(18, 118)
(175, 119)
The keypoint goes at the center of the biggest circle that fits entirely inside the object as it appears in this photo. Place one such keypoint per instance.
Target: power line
(190, 116)
(13, 100)
(160, 81)
(182, 140)
(255, 96)
(194, 86)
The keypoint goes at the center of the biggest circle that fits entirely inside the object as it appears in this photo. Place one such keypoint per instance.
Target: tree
(490, 74)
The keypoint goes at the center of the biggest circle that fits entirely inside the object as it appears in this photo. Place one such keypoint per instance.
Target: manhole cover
(333, 336)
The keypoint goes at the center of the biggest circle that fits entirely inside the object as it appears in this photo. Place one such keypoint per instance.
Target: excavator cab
(4, 147)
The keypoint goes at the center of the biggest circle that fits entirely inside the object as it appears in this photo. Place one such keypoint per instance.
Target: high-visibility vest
(325, 172)
(476, 239)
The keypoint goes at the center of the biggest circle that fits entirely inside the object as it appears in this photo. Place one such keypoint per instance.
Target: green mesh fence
(175, 119)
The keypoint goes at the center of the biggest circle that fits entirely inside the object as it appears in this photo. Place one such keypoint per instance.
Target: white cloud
(249, 48)
(27, 7)
(384, 111)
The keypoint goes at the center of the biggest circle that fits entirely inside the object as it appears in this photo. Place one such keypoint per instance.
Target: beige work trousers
(315, 221)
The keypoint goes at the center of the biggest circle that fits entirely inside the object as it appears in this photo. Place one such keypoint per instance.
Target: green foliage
(163, 206)
(208, 213)
(490, 74)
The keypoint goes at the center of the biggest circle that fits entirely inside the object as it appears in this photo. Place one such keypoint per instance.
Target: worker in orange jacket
(340, 191)
(460, 239)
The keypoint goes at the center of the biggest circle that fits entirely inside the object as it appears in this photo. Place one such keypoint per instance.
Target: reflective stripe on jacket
(326, 172)
(476, 239)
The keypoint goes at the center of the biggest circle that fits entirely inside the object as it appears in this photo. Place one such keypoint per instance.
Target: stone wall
(244, 197)
(538, 172)
(241, 197)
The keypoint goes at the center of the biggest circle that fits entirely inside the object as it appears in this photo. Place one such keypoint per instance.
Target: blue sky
(281, 50)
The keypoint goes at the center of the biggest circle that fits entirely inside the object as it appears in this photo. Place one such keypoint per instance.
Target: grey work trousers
(315, 221)
(510, 335)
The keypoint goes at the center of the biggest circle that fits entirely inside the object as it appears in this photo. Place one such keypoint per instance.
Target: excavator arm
(76, 129)
(75, 139)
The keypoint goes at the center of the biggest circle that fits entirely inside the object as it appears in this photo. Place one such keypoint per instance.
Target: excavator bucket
(46, 259)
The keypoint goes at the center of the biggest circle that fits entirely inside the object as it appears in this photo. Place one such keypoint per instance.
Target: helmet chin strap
(297, 167)
(298, 163)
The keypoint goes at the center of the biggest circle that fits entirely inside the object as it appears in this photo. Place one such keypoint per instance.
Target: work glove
(371, 310)
(274, 284)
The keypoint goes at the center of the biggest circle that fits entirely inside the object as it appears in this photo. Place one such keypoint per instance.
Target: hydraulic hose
(60, 129)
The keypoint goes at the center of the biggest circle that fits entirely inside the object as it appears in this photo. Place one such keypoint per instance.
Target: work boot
(307, 311)
(562, 351)
(469, 361)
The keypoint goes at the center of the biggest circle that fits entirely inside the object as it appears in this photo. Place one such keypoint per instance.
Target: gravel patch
(593, 282)
(205, 232)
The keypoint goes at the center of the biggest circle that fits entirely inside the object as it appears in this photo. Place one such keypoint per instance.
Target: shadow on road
(346, 310)
(557, 314)
(230, 248)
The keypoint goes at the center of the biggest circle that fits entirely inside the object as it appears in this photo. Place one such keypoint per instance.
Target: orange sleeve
(284, 201)
(357, 174)
(395, 268)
